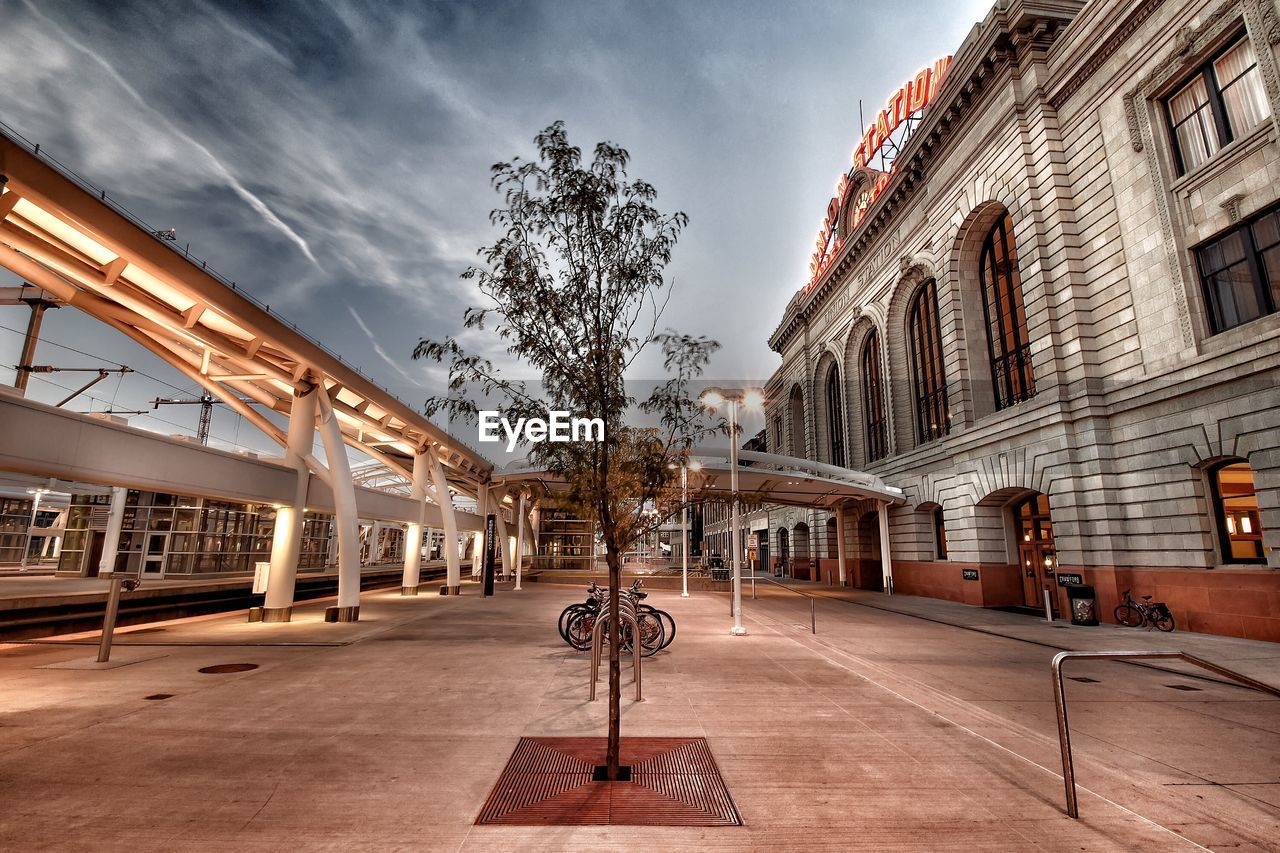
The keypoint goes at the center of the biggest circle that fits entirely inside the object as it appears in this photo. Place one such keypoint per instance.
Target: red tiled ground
(547, 782)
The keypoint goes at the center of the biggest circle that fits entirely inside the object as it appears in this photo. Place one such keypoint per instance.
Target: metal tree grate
(548, 782)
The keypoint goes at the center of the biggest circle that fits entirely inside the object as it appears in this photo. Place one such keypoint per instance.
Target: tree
(576, 288)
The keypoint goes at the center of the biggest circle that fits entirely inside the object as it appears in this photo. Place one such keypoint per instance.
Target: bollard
(1048, 605)
(813, 615)
(109, 619)
(753, 586)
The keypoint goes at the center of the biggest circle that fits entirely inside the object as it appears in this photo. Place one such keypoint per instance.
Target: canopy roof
(774, 479)
(62, 235)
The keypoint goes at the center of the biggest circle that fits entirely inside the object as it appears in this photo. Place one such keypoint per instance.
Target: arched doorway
(833, 550)
(800, 537)
(1037, 551)
(870, 572)
(784, 551)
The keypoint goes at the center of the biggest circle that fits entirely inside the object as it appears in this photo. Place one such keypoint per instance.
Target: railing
(1060, 701)
(813, 610)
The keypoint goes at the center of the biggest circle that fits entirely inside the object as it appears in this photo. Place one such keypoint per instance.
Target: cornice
(1002, 38)
(1108, 47)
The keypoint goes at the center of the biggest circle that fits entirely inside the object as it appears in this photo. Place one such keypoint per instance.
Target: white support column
(413, 535)
(886, 564)
(286, 542)
(520, 525)
(840, 546)
(347, 608)
(440, 485)
(115, 522)
(504, 541)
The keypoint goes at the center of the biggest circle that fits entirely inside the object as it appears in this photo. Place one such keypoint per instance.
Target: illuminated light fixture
(1246, 526)
(1048, 561)
(711, 397)
(695, 465)
(1026, 537)
(1231, 525)
(753, 398)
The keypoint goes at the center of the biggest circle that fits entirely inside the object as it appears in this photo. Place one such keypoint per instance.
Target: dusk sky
(333, 158)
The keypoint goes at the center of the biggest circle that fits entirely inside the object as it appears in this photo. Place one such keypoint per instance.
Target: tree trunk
(615, 665)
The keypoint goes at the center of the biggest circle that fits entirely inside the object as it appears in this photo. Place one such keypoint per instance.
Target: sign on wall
(1070, 579)
(882, 138)
(969, 574)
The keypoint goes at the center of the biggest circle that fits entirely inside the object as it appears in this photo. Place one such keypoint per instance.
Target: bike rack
(1060, 701)
(597, 643)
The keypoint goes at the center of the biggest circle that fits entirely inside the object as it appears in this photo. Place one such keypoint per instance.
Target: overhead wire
(45, 340)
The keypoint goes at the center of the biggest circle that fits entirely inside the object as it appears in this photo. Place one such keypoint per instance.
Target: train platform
(44, 605)
(883, 731)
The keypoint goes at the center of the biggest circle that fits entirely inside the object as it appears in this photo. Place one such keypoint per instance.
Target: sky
(333, 158)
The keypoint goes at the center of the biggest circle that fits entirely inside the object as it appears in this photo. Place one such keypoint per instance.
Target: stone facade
(1054, 113)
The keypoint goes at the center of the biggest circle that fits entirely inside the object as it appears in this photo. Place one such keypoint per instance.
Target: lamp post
(751, 399)
(684, 522)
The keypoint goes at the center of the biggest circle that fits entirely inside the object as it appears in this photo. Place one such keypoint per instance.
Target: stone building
(1052, 320)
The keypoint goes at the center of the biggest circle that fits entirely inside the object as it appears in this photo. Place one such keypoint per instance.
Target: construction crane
(206, 402)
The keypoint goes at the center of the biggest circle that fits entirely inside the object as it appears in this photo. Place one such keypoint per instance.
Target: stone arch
(896, 343)
(796, 422)
(859, 179)
(919, 535)
(822, 434)
(977, 209)
(855, 424)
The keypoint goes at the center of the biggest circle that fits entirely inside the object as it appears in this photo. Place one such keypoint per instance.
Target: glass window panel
(1197, 139)
(1233, 299)
(1222, 253)
(1190, 99)
(1246, 103)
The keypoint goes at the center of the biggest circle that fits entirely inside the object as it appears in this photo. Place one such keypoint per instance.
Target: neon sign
(904, 105)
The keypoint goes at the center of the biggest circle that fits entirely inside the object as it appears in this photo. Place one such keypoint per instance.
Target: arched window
(835, 418)
(929, 378)
(1007, 341)
(874, 419)
(797, 423)
(1235, 503)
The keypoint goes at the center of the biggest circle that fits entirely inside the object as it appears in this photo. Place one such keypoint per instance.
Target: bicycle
(577, 621)
(1134, 614)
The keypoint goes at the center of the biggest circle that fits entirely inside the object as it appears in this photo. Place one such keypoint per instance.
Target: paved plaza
(884, 731)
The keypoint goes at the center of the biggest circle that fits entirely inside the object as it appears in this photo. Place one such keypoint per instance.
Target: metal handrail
(1060, 701)
(813, 609)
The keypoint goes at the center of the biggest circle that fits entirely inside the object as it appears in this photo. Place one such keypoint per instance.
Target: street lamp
(685, 467)
(751, 398)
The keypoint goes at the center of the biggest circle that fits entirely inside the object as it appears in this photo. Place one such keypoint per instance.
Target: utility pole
(25, 370)
(38, 301)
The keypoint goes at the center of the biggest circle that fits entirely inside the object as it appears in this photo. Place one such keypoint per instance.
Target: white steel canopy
(764, 476)
(85, 252)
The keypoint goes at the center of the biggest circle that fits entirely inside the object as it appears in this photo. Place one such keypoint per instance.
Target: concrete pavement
(883, 732)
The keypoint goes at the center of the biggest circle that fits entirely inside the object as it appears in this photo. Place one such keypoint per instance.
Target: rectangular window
(1222, 101)
(1240, 272)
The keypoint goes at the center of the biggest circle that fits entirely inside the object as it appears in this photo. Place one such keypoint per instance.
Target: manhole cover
(223, 668)
(157, 696)
(550, 781)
